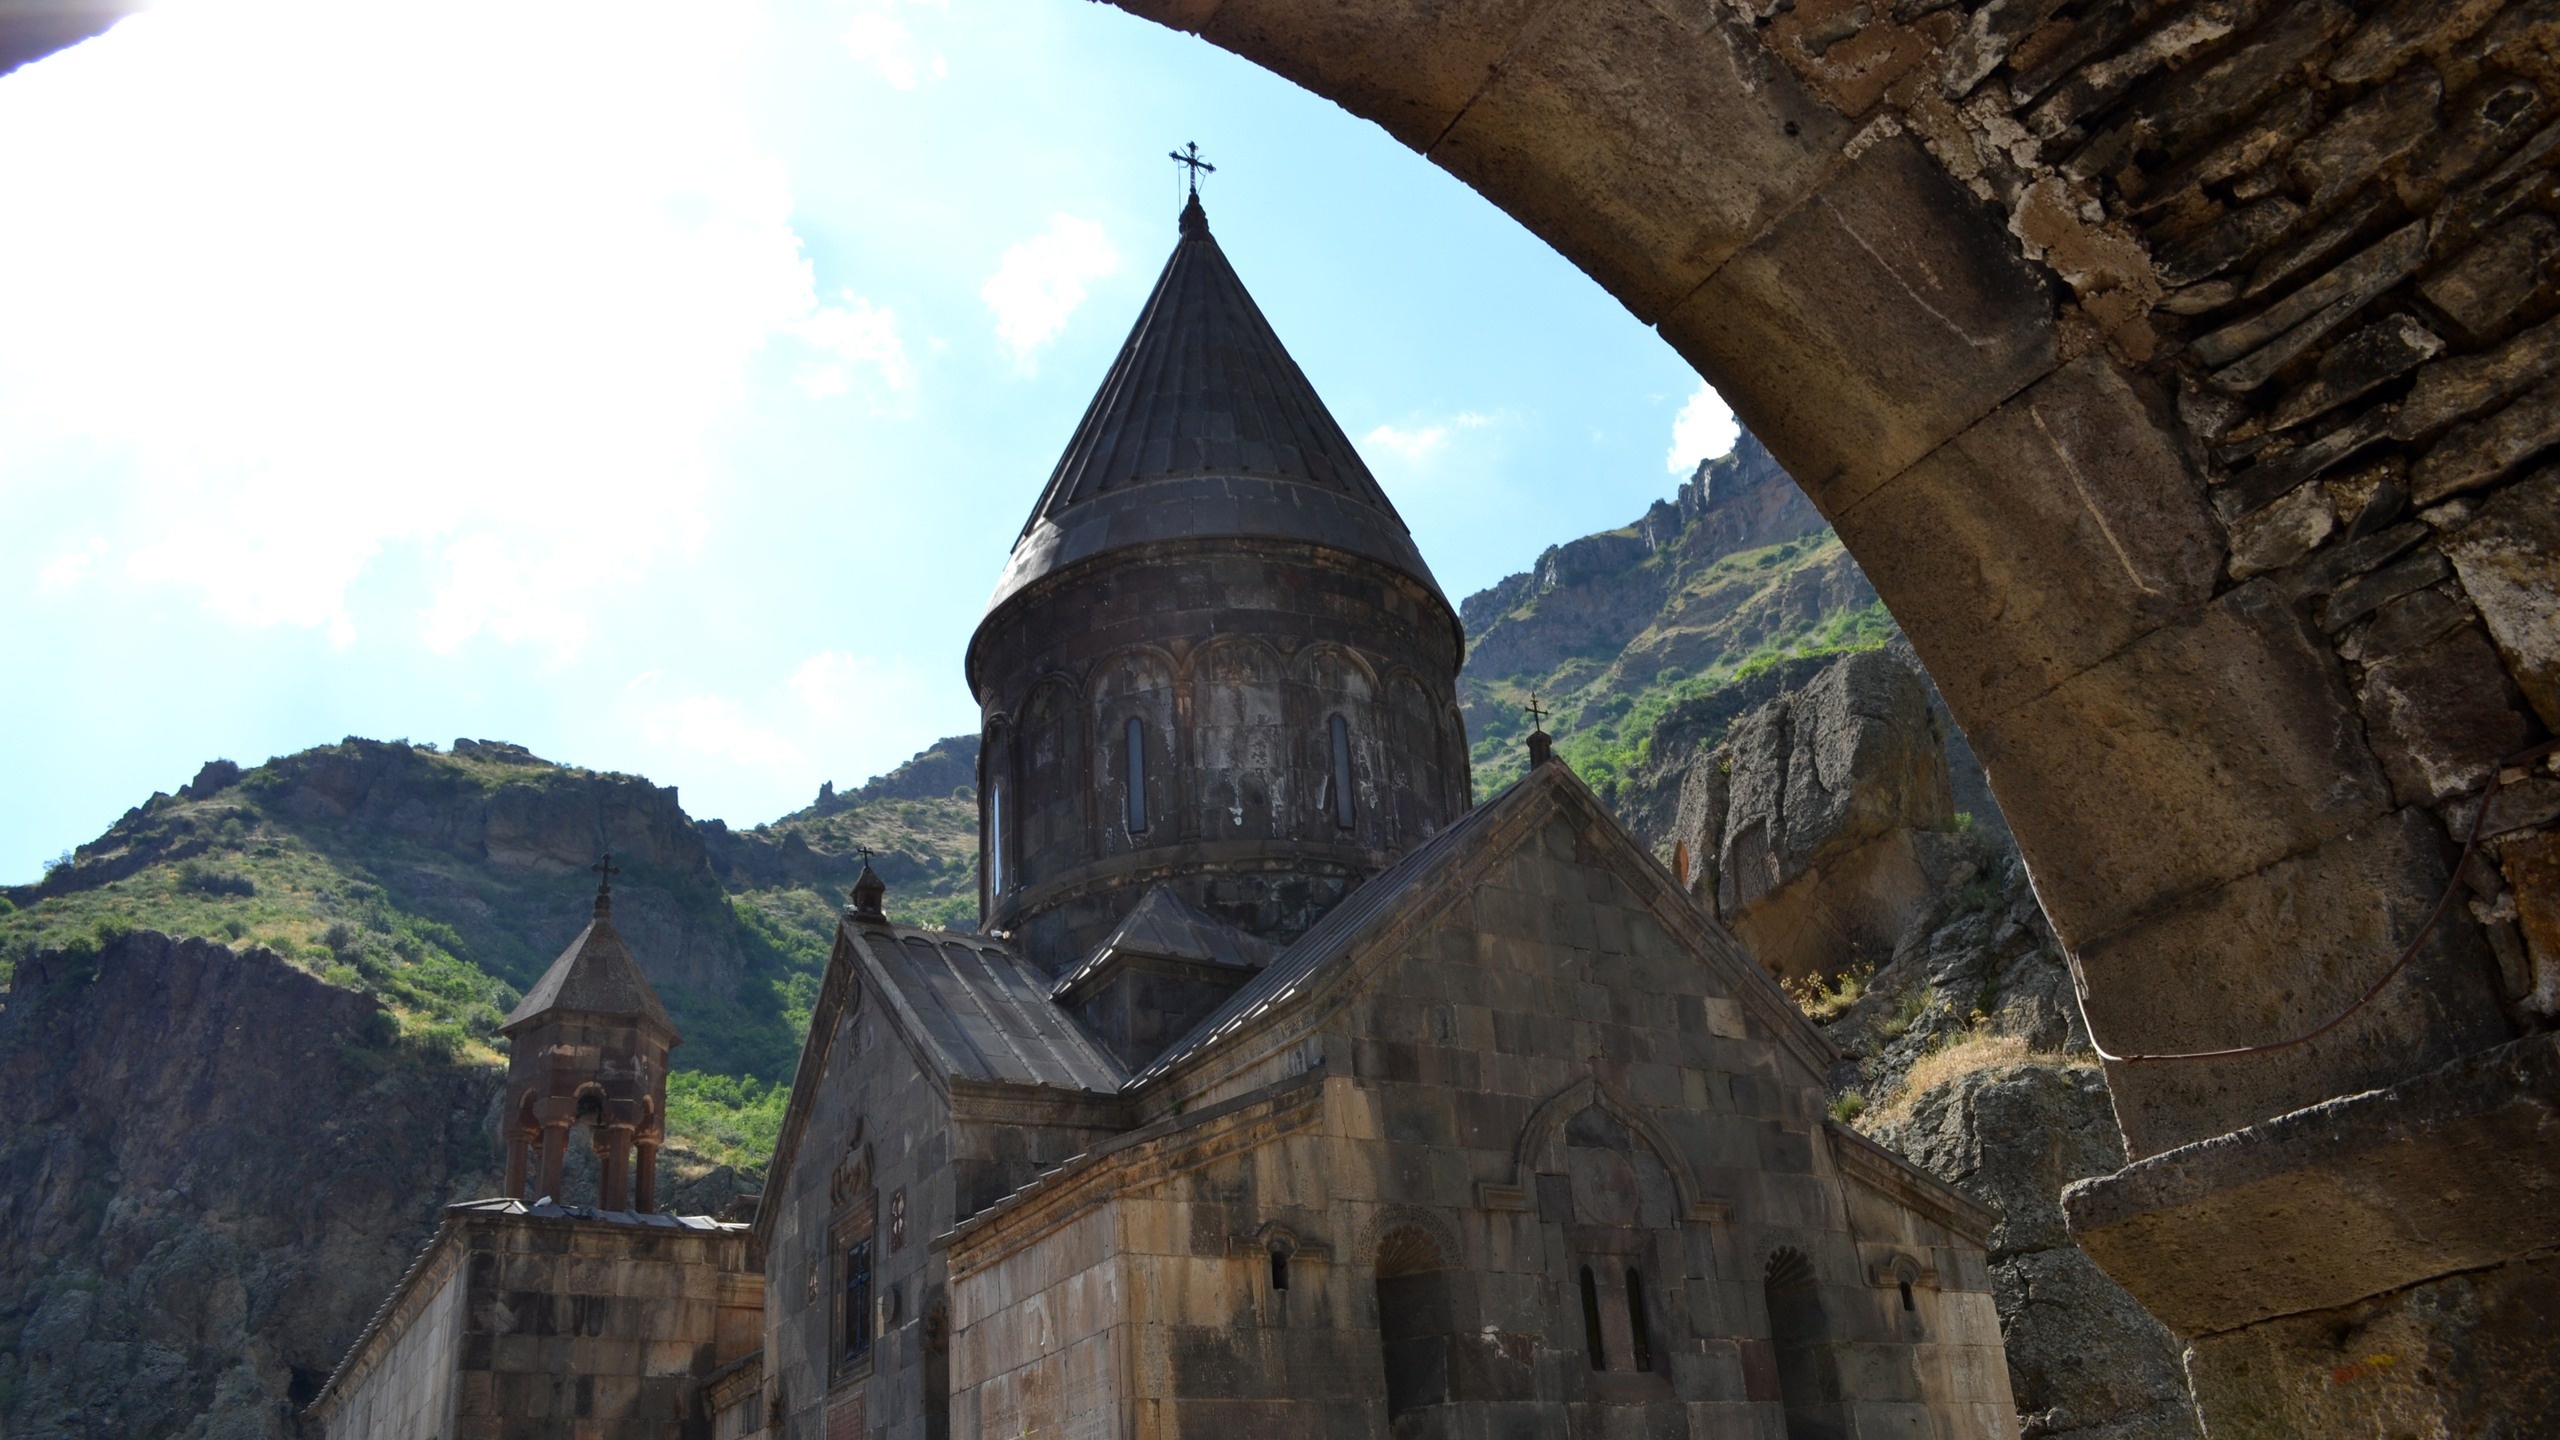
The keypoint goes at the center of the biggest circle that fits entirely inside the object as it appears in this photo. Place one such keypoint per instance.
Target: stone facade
(1531, 1148)
(547, 1323)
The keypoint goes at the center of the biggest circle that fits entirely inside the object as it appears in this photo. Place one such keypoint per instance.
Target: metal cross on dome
(1537, 717)
(1189, 158)
(607, 869)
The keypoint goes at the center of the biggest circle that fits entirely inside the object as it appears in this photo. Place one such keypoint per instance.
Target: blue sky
(661, 385)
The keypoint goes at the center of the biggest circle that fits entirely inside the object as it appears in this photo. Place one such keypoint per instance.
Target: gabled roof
(967, 1007)
(596, 975)
(977, 1011)
(1205, 427)
(1163, 927)
(1442, 871)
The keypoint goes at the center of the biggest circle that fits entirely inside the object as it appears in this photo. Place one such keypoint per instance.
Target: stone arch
(1401, 1239)
(1953, 346)
(1414, 1269)
(1327, 680)
(1417, 770)
(1050, 781)
(1239, 738)
(1799, 1333)
(1136, 683)
(1543, 1139)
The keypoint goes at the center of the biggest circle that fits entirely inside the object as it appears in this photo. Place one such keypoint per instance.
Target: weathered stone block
(1596, 134)
(2464, 1355)
(2508, 557)
(2347, 1199)
(2278, 534)
(1879, 318)
(2072, 503)
(2487, 284)
(2245, 742)
(2440, 715)
(2272, 955)
(2474, 455)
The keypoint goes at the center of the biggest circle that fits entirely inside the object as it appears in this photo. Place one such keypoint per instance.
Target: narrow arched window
(1638, 1337)
(1591, 1321)
(1279, 1266)
(1137, 797)
(995, 843)
(1343, 814)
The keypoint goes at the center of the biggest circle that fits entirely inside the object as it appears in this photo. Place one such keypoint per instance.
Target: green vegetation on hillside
(1724, 624)
(442, 884)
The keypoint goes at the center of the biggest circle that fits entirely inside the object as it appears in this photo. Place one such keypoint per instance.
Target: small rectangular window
(1137, 776)
(1343, 814)
(856, 1319)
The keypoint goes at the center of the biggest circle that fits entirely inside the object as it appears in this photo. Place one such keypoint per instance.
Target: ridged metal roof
(1203, 387)
(1205, 428)
(982, 1012)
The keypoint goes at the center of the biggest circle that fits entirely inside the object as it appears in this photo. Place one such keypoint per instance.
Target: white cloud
(66, 570)
(1423, 442)
(880, 38)
(1704, 429)
(1040, 282)
(833, 704)
(856, 333)
(719, 726)
(315, 284)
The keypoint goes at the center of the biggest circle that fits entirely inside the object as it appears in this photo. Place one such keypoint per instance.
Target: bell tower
(588, 1048)
(1215, 661)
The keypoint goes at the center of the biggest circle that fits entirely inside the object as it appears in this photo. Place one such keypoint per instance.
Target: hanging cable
(2444, 904)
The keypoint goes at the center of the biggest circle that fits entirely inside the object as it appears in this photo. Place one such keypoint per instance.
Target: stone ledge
(2454, 1170)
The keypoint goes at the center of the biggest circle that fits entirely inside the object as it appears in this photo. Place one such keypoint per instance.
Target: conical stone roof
(596, 975)
(1206, 428)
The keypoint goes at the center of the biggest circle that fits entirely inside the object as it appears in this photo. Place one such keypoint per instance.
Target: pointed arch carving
(1545, 1129)
(1404, 1239)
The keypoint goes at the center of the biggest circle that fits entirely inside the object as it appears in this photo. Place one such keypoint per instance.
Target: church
(1286, 1089)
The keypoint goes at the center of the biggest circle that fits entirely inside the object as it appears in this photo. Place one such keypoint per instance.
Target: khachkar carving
(590, 1044)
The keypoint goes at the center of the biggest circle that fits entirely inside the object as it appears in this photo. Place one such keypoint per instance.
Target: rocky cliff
(218, 1166)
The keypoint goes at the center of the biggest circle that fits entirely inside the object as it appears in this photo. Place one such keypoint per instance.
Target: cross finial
(1189, 158)
(866, 852)
(605, 870)
(1542, 746)
(1537, 716)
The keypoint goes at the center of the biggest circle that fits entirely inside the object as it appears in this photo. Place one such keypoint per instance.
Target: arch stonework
(2161, 367)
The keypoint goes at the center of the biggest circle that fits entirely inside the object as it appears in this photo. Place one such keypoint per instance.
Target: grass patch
(1822, 999)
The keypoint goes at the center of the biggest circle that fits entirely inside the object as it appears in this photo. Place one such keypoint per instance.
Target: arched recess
(1799, 1331)
(1327, 680)
(2180, 758)
(1050, 781)
(1134, 684)
(1417, 782)
(1240, 742)
(1415, 1270)
(1546, 1137)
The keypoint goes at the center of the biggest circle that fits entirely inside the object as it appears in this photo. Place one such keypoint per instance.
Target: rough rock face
(2085, 1360)
(1806, 827)
(219, 1165)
